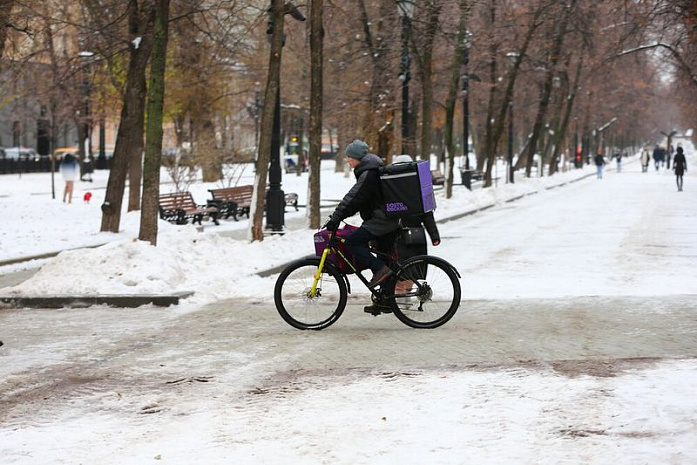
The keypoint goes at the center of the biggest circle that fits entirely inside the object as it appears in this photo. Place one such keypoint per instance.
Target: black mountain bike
(422, 292)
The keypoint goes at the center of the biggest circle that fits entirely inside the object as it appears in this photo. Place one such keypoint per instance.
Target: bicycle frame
(331, 247)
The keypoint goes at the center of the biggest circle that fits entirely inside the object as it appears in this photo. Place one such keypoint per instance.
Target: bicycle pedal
(376, 310)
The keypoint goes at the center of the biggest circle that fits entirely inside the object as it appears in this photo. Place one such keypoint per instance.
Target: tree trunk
(301, 144)
(130, 126)
(425, 60)
(5, 11)
(376, 113)
(546, 92)
(458, 60)
(135, 168)
(560, 135)
(256, 231)
(316, 94)
(498, 126)
(153, 149)
(207, 155)
(489, 142)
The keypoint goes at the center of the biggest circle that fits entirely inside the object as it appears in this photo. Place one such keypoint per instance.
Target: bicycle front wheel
(426, 292)
(300, 309)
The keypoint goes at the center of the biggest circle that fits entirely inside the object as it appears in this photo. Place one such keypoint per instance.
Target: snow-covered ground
(35, 223)
(631, 234)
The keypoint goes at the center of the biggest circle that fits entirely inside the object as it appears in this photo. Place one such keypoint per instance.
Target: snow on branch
(676, 54)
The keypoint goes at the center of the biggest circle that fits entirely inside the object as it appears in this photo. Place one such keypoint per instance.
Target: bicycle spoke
(426, 292)
(295, 303)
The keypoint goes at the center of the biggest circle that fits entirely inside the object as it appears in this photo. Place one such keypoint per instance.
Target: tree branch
(675, 53)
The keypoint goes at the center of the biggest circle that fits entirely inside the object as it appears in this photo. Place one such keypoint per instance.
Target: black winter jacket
(366, 197)
(679, 164)
(428, 222)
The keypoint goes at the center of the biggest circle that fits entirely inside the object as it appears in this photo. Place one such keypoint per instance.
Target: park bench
(470, 175)
(234, 201)
(179, 207)
(437, 178)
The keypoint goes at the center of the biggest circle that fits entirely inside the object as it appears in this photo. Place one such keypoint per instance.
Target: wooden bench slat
(437, 178)
(233, 201)
(237, 200)
(180, 206)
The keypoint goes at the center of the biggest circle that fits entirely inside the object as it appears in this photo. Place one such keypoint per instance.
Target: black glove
(331, 225)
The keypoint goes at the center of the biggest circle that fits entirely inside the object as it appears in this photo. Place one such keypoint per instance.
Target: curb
(120, 301)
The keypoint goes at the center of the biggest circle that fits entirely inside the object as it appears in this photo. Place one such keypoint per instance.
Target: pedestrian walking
(645, 158)
(618, 157)
(679, 167)
(599, 160)
(657, 156)
(69, 169)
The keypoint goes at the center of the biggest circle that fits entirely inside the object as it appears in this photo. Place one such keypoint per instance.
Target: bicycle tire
(293, 303)
(435, 298)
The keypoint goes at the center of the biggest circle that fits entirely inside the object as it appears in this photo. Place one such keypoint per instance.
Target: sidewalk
(293, 223)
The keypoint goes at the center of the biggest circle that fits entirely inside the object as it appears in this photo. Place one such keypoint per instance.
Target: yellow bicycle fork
(318, 275)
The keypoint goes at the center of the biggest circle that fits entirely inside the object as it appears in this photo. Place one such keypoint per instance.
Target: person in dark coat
(425, 220)
(657, 157)
(679, 166)
(599, 160)
(403, 250)
(365, 197)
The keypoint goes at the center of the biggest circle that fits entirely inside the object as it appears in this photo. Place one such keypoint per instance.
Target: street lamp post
(406, 13)
(601, 139)
(466, 102)
(510, 142)
(86, 138)
(275, 203)
(257, 109)
(512, 57)
(668, 144)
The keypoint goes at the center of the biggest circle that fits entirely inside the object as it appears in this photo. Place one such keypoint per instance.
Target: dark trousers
(357, 245)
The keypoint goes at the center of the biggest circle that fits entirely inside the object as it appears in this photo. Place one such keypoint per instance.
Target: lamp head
(406, 8)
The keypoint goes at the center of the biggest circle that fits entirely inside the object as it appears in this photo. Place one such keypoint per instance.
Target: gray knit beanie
(357, 149)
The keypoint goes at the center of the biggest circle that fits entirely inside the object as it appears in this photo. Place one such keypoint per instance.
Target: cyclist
(366, 197)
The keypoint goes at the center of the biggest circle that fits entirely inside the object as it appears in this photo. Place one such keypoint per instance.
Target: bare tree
(277, 13)
(459, 59)
(153, 149)
(316, 99)
(495, 130)
(376, 33)
(129, 140)
(5, 12)
(560, 26)
(422, 49)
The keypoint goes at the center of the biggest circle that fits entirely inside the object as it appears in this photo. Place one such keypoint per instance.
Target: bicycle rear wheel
(426, 292)
(294, 304)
